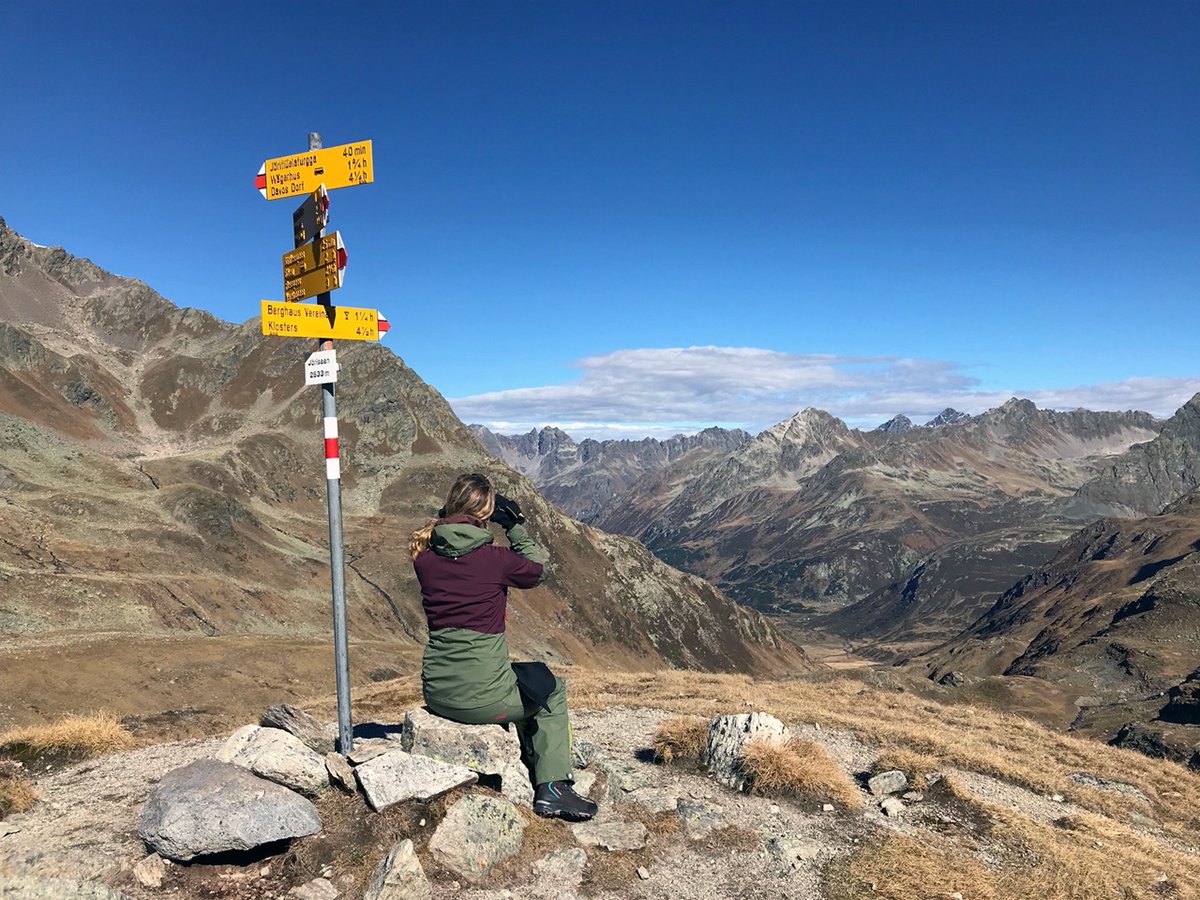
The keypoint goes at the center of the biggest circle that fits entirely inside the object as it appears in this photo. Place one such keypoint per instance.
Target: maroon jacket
(465, 578)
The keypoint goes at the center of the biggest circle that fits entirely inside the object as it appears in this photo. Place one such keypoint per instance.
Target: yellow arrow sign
(302, 173)
(311, 320)
(315, 268)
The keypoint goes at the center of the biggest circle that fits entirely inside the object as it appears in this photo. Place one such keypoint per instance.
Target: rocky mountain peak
(948, 416)
(896, 425)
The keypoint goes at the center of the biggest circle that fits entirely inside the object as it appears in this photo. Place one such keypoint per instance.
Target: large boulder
(477, 833)
(399, 876)
(398, 776)
(277, 756)
(727, 739)
(317, 736)
(491, 751)
(211, 807)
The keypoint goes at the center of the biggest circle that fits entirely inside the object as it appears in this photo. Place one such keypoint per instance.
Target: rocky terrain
(893, 798)
(161, 480)
(585, 479)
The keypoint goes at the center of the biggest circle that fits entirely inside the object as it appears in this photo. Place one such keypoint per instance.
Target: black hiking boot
(558, 800)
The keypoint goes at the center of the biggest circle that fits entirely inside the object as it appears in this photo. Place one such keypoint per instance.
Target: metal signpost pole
(337, 562)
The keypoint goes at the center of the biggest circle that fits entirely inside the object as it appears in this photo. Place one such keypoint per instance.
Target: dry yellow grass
(680, 739)
(16, 793)
(798, 767)
(71, 737)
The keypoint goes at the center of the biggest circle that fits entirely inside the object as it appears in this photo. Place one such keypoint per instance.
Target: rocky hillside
(586, 479)
(1150, 476)
(1115, 614)
(161, 473)
(811, 512)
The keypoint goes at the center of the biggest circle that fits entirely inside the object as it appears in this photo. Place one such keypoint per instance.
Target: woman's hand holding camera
(506, 513)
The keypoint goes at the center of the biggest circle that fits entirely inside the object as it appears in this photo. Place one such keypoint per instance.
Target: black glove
(506, 513)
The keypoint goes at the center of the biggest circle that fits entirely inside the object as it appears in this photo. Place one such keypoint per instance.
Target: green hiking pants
(546, 735)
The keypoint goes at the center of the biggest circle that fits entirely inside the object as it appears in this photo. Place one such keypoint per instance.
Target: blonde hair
(470, 495)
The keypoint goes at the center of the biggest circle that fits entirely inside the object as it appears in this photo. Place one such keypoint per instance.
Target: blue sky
(636, 218)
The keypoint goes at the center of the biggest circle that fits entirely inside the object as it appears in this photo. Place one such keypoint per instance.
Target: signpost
(302, 173)
(326, 323)
(314, 269)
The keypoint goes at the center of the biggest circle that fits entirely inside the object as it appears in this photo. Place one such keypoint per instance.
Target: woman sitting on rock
(465, 674)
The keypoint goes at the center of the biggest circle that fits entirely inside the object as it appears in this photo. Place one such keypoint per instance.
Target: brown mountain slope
(811, 512)
(162, 473)
(1115, 615)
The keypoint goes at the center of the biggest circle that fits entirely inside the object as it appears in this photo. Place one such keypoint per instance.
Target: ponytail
(418, 543)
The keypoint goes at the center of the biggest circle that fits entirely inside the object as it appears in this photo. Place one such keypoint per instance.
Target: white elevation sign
(321, 367)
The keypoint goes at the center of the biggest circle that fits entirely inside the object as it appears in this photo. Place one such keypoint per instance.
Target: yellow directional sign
(312, 320)
(302, 173)
(314, 268)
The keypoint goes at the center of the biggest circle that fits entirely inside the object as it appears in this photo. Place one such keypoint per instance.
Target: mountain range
(162, 474)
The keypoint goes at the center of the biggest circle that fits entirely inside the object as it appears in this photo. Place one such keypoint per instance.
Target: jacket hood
(458, 536)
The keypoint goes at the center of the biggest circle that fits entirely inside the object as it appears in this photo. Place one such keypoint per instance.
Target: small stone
(317, 889)
(957, 895)
(613, 835)
(891, 782)
(913, 796)
(150, 871)
(1057, 798)
(826, 807)
(584, 782)
(774, 808)
(422, 823)
(892, 807)
(399, 876)
(585, 752)
(643, 873)
(7, 828)
(340, 772)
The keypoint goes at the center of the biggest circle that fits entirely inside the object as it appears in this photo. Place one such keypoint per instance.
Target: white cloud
(663, 391)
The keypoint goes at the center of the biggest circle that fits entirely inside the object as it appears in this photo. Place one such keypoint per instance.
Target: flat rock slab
(399, 876)
(340, 772)
(489, 750)
(29, 887)
(277, 756)
(613, 835)
(727, 739)
(369, 748)
(317, 736)
(477, 833)
(699, 817)
(211, 807)
(397, 776)
(317, 889)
